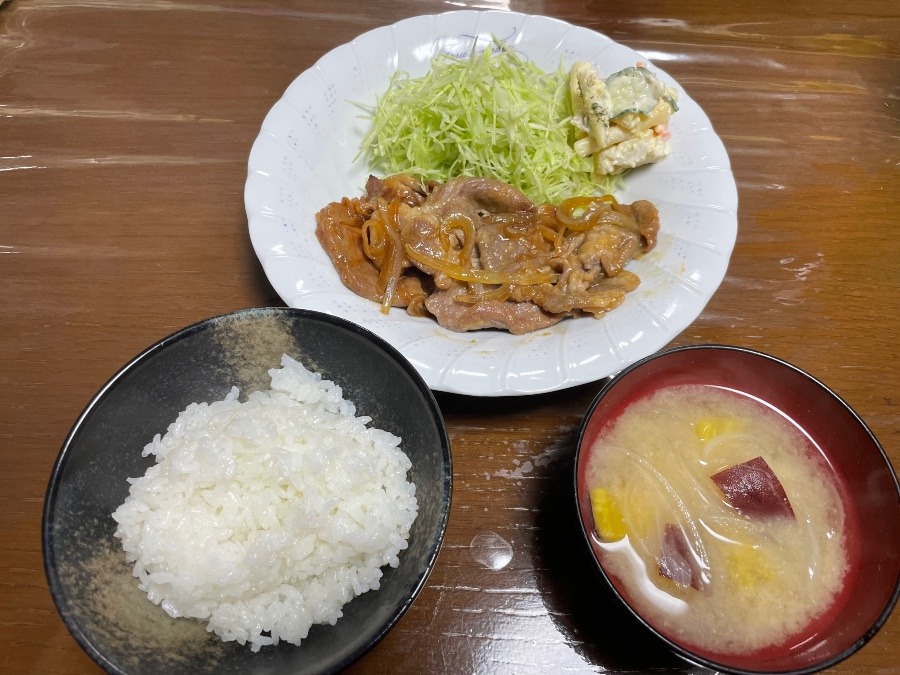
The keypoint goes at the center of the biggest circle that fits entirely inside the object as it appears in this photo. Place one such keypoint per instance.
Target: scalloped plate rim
(480, 351)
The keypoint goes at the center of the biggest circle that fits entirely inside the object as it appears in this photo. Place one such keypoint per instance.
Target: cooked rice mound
(265, 517)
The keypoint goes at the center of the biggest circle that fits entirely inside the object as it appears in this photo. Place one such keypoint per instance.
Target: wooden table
(124, 134)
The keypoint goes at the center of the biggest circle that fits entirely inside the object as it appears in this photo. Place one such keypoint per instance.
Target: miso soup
(718, 517)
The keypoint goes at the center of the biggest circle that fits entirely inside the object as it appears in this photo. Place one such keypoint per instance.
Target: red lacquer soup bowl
(861, 472)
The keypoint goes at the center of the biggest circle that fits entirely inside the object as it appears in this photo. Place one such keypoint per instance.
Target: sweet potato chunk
(676, 561)
(754, 490)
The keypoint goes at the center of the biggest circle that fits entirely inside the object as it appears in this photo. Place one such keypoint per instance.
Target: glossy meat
(338, 231)
(476, 253)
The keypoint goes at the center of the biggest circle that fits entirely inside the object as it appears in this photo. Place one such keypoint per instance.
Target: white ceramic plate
(304, 158)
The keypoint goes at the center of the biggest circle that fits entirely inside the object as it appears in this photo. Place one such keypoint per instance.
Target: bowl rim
(54, 582)
(681, 651)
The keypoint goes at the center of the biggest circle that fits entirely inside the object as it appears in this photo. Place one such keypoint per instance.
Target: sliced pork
(476, 253)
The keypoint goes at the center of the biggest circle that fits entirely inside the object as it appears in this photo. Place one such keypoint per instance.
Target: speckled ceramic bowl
(872, 497)
(90, 580)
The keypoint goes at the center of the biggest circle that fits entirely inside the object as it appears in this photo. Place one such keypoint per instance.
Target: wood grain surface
(125, 127)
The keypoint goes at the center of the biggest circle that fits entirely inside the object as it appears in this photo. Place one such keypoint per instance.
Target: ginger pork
(476, 253)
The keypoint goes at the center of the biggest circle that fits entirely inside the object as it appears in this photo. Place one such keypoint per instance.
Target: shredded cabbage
(492, 115)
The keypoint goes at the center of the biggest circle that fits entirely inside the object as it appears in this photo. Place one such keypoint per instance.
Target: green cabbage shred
(493, 114)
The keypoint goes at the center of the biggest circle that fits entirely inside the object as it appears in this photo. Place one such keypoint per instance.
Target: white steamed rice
(265, 517)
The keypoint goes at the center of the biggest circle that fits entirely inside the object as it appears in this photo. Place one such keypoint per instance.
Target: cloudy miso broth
(719, 519)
